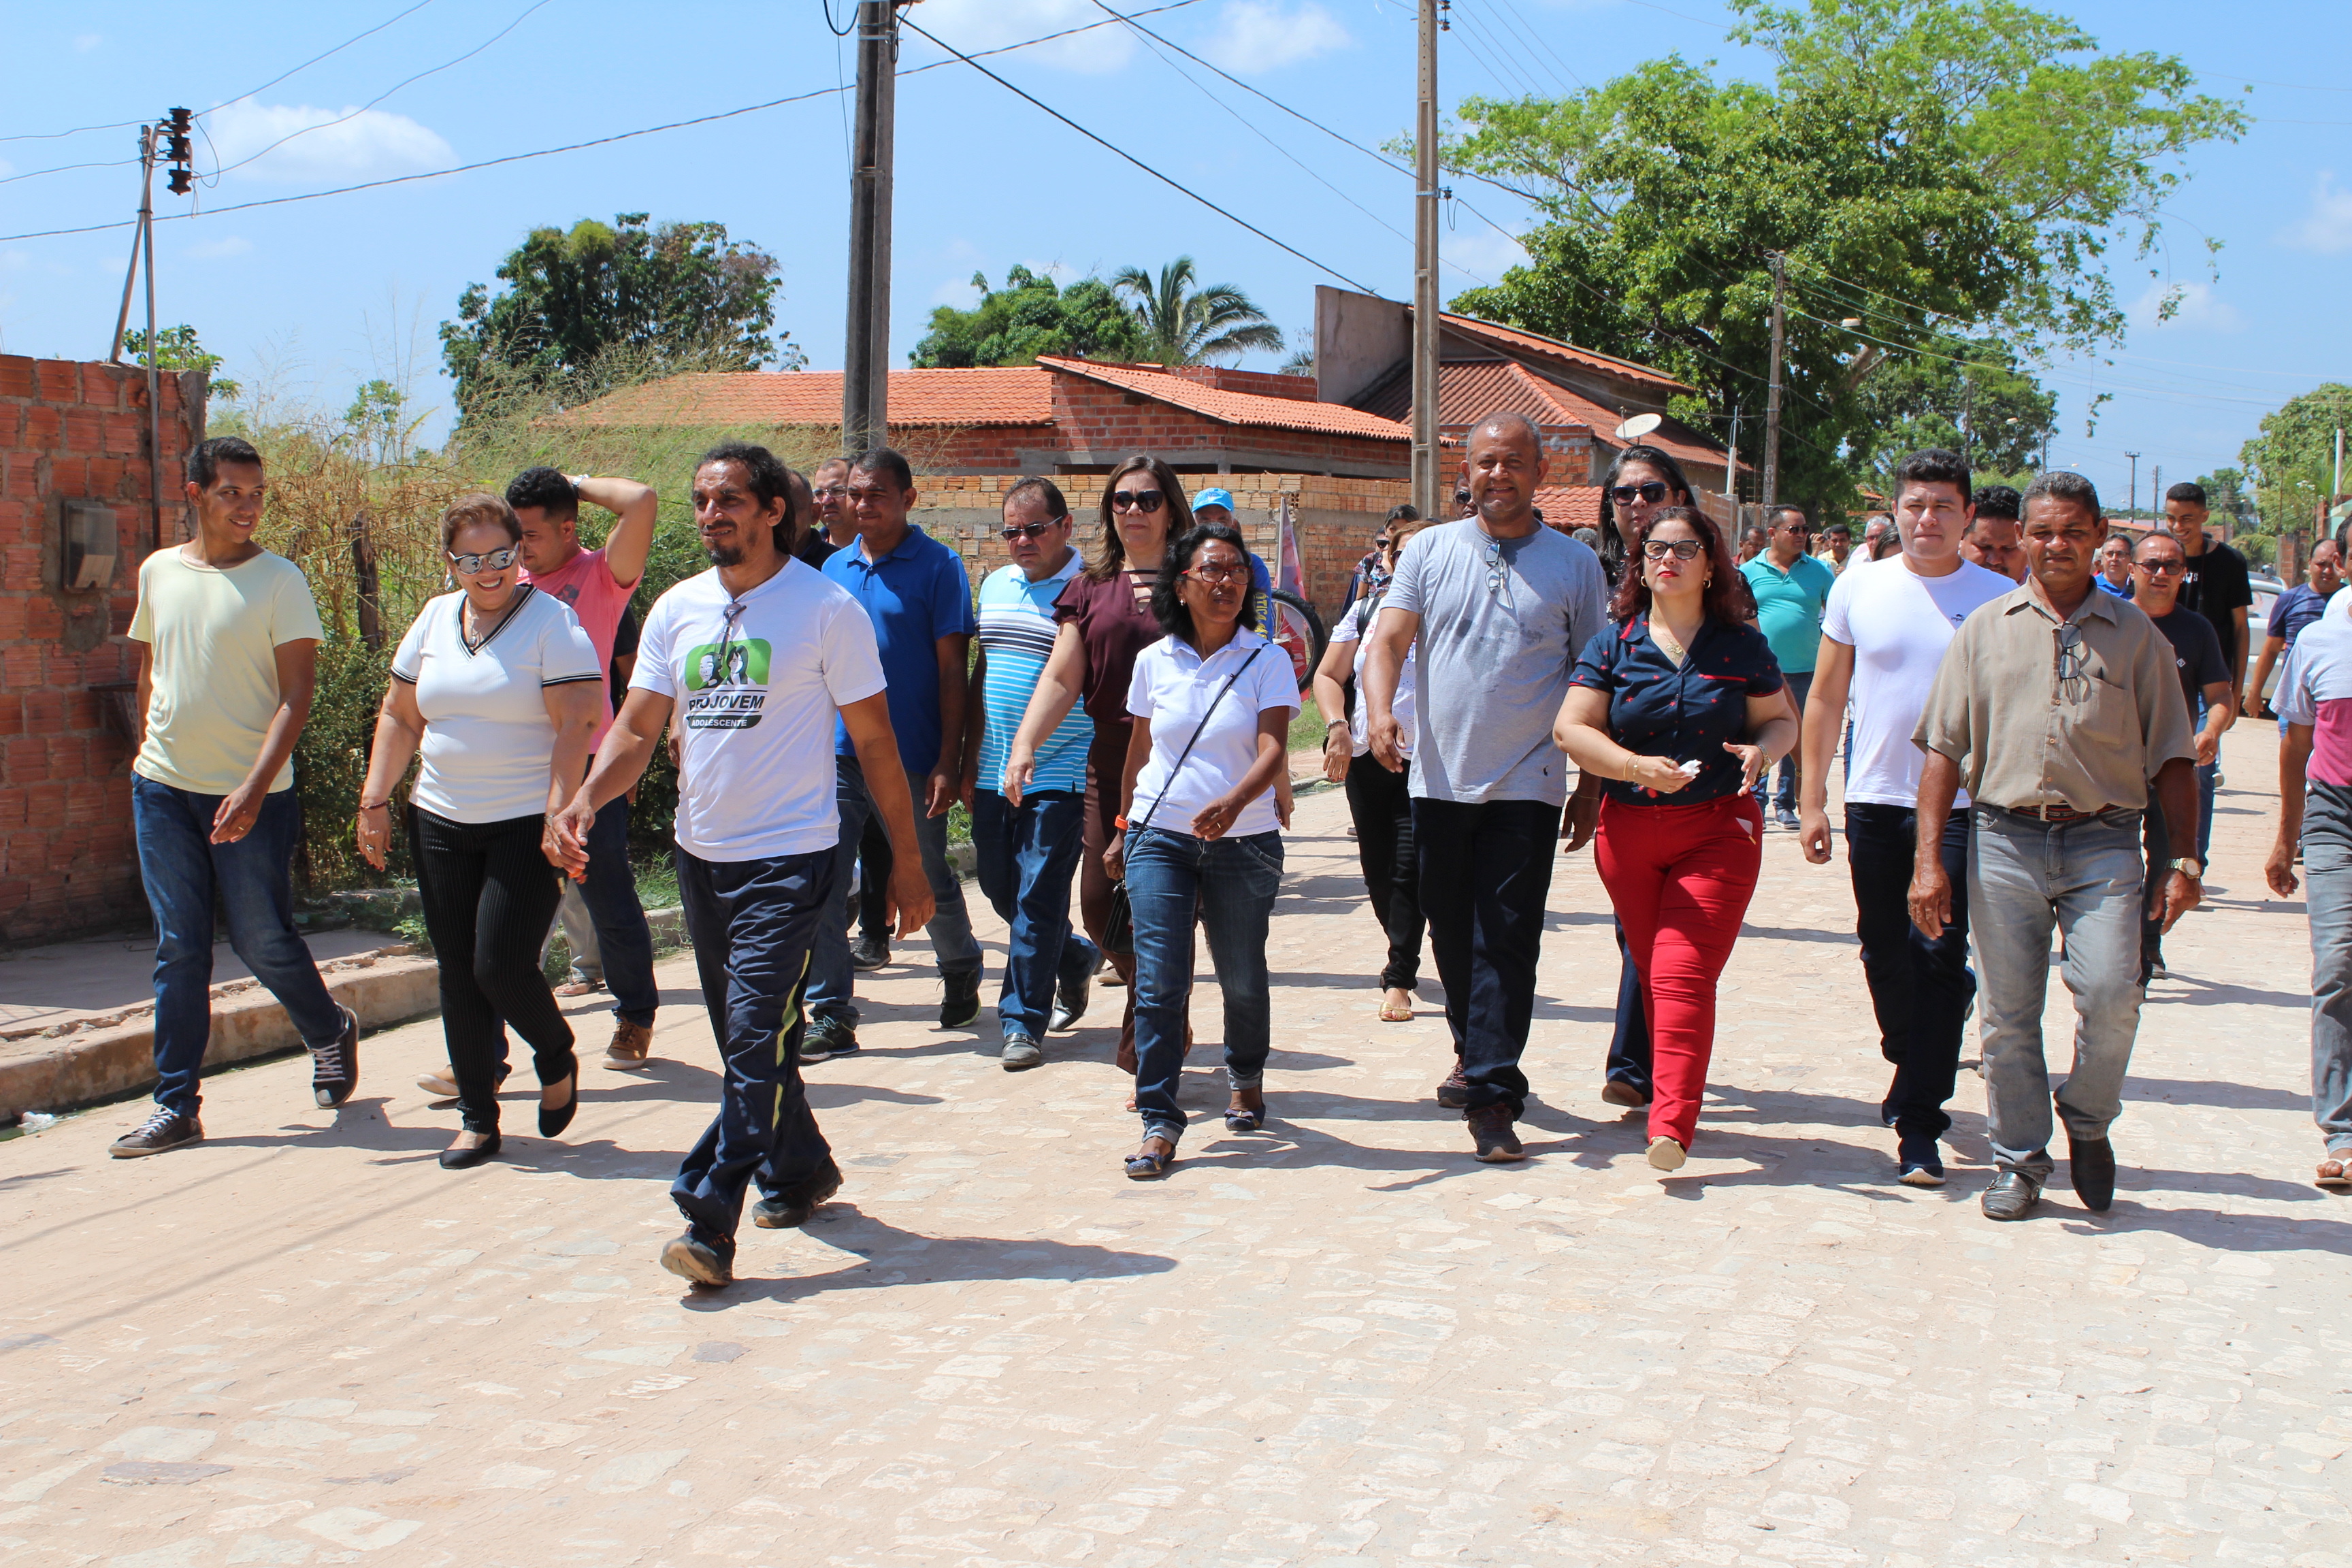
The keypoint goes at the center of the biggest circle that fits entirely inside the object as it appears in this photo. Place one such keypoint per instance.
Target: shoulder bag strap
(1187, 752)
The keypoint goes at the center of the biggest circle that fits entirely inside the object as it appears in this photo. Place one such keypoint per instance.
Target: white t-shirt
(1898, 625)
(1351, 629)
(1172, 687)
(487, 738)
(757, 702)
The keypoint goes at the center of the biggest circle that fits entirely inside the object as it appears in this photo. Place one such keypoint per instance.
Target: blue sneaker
(1922, 1164)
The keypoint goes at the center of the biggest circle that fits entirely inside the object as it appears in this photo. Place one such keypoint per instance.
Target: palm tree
(1184, 325)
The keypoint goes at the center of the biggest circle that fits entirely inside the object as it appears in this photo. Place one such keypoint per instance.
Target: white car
(2267, 590)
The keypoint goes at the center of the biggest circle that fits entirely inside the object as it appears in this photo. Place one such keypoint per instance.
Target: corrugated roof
(1229, 407)
(1468, 390)
(1018, 394)
(1512, 339)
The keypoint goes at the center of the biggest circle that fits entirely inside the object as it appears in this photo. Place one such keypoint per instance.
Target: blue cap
(1214, 496)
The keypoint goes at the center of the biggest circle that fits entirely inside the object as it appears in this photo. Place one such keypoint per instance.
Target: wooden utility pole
(1425, 275)
(1772, 492)
(865, 361)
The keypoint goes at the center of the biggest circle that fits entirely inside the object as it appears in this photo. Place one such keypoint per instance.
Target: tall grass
(360, 514)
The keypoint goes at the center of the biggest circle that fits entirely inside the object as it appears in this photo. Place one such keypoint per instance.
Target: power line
(1222, 212)
(1526, 27)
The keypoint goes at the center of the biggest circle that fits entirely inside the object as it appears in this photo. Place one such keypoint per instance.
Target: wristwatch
(2189, 866)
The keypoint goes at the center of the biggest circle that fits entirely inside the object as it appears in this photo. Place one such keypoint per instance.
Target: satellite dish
(1639, 425)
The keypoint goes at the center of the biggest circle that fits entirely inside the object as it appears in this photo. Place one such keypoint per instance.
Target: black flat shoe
(551, 1123)
(455, 1159)
(2090, 1162)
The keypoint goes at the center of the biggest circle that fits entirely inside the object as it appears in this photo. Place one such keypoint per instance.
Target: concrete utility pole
(866, 360)
(2131, 505)
(1772, 393)
(1425, 275)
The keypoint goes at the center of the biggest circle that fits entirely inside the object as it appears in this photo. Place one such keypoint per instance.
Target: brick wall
(71, 431)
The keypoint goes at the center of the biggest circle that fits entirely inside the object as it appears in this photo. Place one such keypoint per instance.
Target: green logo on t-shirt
(727, 684)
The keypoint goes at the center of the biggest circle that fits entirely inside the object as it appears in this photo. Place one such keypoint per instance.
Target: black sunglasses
(1031, 529)
(1650, 490)
(1144, 502)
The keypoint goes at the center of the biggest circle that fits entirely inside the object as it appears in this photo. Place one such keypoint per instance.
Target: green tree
(1183, 323)
(1031, 315)
(177, 348)
(2293, 460)
(1970, 394)
(681, 295)
(1929, 167)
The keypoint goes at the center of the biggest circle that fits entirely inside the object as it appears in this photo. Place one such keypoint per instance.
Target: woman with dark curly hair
(1211, 703)
(1678, 706)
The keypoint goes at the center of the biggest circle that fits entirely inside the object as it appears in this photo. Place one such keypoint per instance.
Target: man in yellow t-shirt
(229, 643)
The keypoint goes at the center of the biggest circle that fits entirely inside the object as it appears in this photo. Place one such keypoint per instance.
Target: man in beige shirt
(2059, 708)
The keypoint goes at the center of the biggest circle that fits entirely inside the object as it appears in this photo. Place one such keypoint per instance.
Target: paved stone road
(1339, 1342)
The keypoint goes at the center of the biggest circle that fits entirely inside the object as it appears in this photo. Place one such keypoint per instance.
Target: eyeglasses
(1216, 573)
(2068, 666)
(1145, 501)
(1031, 529)
(1682, 549)
(1497, 573)
(1650, 490)
(495, 560)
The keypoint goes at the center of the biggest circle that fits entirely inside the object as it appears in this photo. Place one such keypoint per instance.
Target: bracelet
(1119, 822)
(375, 805)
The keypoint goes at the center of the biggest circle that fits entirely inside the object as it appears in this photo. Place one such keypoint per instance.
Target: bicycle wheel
(1300, 632)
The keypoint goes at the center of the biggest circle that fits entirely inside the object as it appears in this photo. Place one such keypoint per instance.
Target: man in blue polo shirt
(2295, 609)
(915, 591)
(1027, 850)
(1790, 588)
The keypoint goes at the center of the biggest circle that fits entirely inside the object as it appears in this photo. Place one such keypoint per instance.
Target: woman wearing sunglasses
(497, 689)
(1212, 704)
(1106, 621)
(1379, 802)
(1678, 706)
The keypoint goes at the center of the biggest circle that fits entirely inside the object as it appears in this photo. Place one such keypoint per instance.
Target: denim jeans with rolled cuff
(1485, 870)
(1025, 857)
(1228, 885)
(831, 991)
(2085, 877)
(2328, 904)
(182, 870)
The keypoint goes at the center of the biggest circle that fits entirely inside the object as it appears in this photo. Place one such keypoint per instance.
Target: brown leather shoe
(631, 1042)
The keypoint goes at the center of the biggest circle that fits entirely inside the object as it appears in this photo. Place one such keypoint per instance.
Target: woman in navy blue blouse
(1678, 705)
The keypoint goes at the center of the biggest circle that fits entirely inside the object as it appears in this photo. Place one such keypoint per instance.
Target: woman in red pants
(1678, 706)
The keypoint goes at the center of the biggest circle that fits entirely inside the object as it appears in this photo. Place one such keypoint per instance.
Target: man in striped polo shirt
(1027, 853)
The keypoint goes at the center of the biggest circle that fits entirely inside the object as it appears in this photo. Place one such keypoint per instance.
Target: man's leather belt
(2056, 814)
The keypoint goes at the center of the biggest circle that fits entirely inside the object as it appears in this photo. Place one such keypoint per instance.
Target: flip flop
(2336, 1169)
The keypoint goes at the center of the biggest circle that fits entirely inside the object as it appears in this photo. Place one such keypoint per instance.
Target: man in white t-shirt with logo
(757, 657)
(1884, 632)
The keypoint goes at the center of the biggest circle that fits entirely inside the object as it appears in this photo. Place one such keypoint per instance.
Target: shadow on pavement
(894, 1257)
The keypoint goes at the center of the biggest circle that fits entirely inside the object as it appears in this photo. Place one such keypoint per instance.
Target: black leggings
(489, 894)
(1381, 804)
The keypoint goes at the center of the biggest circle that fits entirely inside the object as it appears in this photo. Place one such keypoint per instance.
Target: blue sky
(311, 298)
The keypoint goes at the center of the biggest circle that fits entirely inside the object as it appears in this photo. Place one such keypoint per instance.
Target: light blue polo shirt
(914, 596)
(1789, 608)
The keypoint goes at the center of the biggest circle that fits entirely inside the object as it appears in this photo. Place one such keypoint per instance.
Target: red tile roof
(1569, 506)
(1229, 407)
(1511, 339)
(1470, 389)
(1019, 394)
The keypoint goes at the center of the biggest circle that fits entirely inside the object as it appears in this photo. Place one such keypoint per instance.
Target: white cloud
(2327, 227)
(1265, 35)
(326, 143)
(86, 42)
(2196, 308)
(972, 25)
(220, 250)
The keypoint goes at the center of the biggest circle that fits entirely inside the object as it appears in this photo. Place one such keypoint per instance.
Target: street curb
(390, 985)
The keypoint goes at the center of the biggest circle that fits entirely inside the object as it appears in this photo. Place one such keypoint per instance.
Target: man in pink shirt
(597, 584)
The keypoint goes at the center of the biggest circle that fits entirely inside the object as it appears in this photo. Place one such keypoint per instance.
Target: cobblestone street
(1340, 1342)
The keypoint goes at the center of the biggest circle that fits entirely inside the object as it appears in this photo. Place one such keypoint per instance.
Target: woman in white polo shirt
(498, 689)
(1211, 702)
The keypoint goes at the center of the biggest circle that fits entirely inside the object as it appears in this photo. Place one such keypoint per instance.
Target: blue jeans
(2085, 877)
(1919, 989)
(2327, 903)
(1801, 688)
(1025, 856)
(831, 992)
(1230, 885)
(752, 923)
(1485, 870)
(625, 945)
(183, 870)
(1629, 1036)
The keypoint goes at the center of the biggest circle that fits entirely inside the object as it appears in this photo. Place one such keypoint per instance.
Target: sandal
(2336, 1169)
(1145, 1165)
(1395, 1013)
(1241, 1116)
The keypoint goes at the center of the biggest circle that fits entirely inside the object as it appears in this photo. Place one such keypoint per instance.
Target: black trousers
(873, 863)
(489, 894)
(1484, 871)
(1919, 989)
(1381, 804)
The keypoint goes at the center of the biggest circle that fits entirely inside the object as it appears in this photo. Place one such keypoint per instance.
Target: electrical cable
(1488, 35)
(838, 32)
(1528, 29)
(1222, 212)
(67, 168)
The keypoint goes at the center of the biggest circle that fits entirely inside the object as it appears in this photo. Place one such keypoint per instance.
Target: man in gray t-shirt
(1498, 605)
